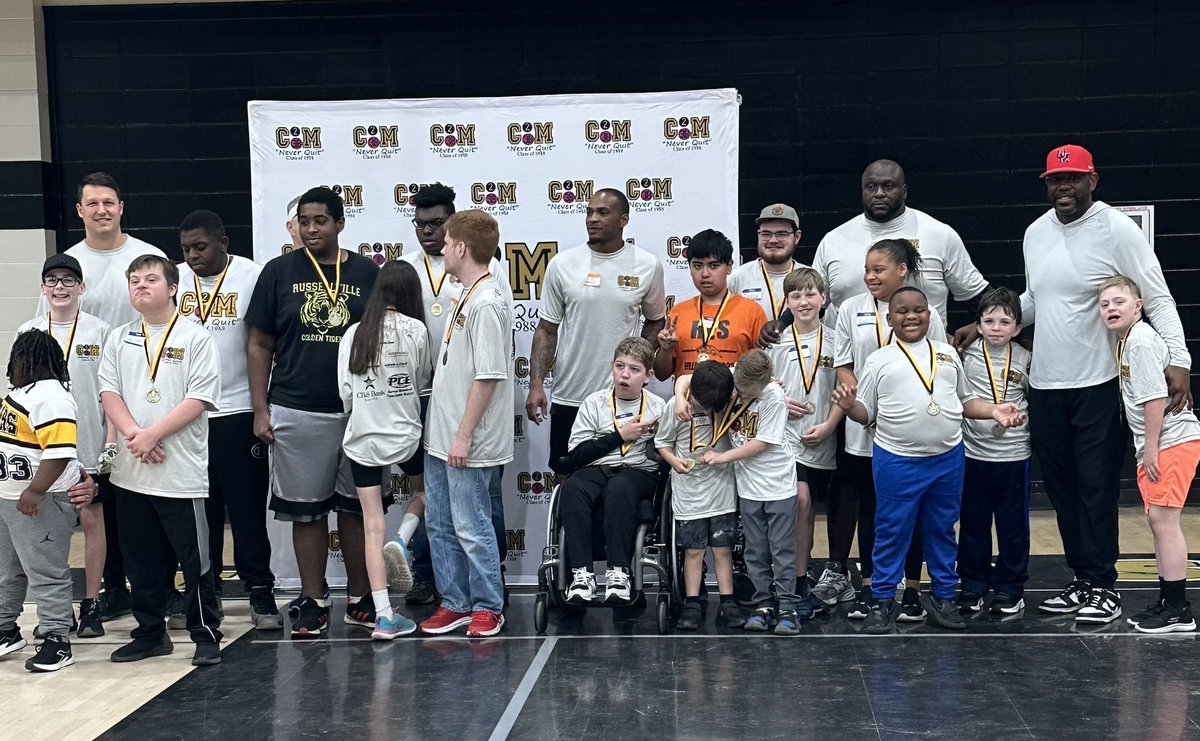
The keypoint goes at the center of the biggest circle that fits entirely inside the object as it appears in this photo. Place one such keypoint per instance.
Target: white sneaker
(583, 586)
(616, 585)
(1102, 606)
(398, 564)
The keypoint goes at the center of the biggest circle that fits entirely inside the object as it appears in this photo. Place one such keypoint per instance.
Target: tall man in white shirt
(761, 280)
(593, 297)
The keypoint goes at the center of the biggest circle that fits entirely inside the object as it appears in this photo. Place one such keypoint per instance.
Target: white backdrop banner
(531, 162)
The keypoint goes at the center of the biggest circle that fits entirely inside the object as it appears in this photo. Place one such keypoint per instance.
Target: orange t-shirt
(736, 332)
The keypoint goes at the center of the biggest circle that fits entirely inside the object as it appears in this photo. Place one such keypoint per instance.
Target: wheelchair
(654, 550)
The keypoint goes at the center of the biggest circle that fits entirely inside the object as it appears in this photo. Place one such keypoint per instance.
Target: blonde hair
(637, 348)
(753, 368)
(803, 279)
(1120, 281)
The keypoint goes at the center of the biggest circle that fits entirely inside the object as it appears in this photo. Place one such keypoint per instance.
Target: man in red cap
(1074, 402)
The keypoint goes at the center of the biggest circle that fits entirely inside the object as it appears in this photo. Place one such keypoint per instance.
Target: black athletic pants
(238, 480)
(617, 490)
(562, 418)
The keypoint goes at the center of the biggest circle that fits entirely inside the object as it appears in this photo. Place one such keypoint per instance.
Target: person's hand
(964, 337)
(683, 409)
(262, 427)
(635, 428)
(142, 443)
(457, 457)
(845, 396)
(83, 493)
(816, 435)
(1150, 465)
(1179, 389)
(796, 409)
(105, 460)
(770, 334)
(1008, 415)
(667, 339)
(713, 458)
(537, 406)
(29, 502)
(681, 466)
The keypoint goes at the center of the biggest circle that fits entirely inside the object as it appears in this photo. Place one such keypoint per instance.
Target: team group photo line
(150, 403)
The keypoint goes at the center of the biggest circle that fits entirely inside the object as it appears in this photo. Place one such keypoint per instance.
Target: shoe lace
(616, 577)
(828, 576)
(1096, 598)
(580, 577)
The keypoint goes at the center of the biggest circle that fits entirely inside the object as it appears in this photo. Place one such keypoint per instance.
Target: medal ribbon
(927, 383)
(70, 336)
(776, 307)
(436, 285)
(708, 334)
(999, 398)
(337, 278)
(808, 378)
(204, 310)
(728, 418)
(162, 344)
(612, 405)
(879, 327)
(1121, 355)
(458, 310)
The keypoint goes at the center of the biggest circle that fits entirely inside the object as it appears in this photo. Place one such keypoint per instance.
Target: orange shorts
(1177, 468)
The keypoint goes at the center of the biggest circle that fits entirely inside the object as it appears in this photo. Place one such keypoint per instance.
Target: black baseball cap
(62, 261)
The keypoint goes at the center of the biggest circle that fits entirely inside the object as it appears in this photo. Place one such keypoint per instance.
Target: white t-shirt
(771, 475)
(1144, 358)
(448, 289)
(860, 325)
(107, 294)
(596, 299)
(596, 417)
(190, 369)
(385, 403)
(1064, 267)
(83, 363)
(818, 362)
(946, 268)
(986, 440)
(37, 423)
(705, 491)
(226, 323)
(480, 348)
(747, 281)
(897, 402)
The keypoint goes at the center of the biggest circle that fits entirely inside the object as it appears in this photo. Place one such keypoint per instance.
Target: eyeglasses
(426, 226)
(888, 188)
(768, 236)
(67, 281)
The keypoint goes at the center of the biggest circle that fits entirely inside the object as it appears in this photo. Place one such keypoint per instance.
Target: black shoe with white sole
(10, 641)
(1006, 604)
(1147, 613)
(1102, 606)
(861, 606)
(1070, 599)
(52, 655)
(1168, 620)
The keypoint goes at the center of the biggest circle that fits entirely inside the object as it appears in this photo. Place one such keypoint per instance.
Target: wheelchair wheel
(540, 608)
(664, 613)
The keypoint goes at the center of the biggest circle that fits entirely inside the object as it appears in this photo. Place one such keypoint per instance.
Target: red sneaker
(484, 624)
(444, 621)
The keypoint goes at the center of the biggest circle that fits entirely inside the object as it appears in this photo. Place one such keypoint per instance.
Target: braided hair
(37, 356)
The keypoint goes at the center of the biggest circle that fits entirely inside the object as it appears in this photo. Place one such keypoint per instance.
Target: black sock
(695, 599)
(726, 598)
(1162, 589)
(1175, 594)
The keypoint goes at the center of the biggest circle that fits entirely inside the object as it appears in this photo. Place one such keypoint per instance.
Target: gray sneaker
(264, 613)
(833, 587)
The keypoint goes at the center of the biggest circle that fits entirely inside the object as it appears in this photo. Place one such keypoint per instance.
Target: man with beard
(761, 281)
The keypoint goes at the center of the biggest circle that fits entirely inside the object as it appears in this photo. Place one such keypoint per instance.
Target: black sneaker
(1150, 611)
(815, 606)
(176, 611)
(1102, 606)
(361, 612)
(1168, 620)
(263, 611)
(1070, 599)
(804, 609)
(114, 603)
(207, 654)
(761, 620)
(880, 617)
(422, 593)
(309, 619)
(911, 610)
(861, 606)
(969, 601)
(52, 655)
(143, 648)
(944, 612)
(10, 641)
(324, 602)
(90, 624)
(731, 615)
(1006, 604)
(689, 616)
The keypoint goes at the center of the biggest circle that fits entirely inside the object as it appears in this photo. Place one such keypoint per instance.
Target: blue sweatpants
(928, 487)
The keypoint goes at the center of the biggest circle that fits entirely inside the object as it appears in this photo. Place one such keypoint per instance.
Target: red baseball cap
(1069, 158)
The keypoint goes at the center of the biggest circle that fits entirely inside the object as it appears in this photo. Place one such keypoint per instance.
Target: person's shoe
(143, 648)
(1147, 613)
(690, 616)
(90, 624)
(787, 624)
(812, 574)
(422, 592)
(485, 623)
(583, 586)
(399, 566)
(804, 609)
(10, 641)
(731, 615)
(616, 585)
(944, 612)
(207, 653)
(325, 601)
(114, 603)
(1070, 599)
(361, 612)
(1168, 620)
(264, 613)
(969, 601)
(861, 606)
(444, 621)
(833, 587)
(1006, 604)
(309, 619)
(389, 628)
(761, 620)
(881, 617)
(1102, 606)
(55, 653)
(911, 610)
(176, 611)
(816, 607)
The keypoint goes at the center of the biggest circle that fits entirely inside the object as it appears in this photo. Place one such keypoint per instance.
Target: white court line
(517, 703)
(744, 636)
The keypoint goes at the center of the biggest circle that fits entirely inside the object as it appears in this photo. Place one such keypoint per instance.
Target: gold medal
(998, 430)
(701, 357)
(436, 309)
(933, 409)
(806, 377)
(689, 464)
(999, 395)
(153, 396)
(810, 407)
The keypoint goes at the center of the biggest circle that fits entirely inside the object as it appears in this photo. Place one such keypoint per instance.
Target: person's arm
(545, 347)
(142, 442)
(748, 449)
(654, 304)
(48, 472)
(651, 328)
(344, 378)
(260, 352)
(845, 397)
(118, 413)
(1006, 415)
(1154, 409)
(478, 399)
(664, 356)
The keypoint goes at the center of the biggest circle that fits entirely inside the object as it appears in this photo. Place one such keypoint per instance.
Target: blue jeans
(419, 545)
(462, 540)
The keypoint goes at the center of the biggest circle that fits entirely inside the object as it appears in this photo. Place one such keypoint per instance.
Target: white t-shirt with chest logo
(747, 281)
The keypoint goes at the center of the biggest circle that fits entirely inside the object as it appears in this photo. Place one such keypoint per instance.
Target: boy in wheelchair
(613, 465)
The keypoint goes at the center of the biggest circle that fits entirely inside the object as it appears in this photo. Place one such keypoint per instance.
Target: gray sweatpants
(33, 557)
(770, 529)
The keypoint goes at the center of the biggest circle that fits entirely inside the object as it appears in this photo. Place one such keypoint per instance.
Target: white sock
(383, 604)
(408, 526)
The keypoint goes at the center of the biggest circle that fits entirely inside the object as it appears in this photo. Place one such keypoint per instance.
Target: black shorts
(818, 480)
(718, 531)
(379, 475)
(104, 490)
